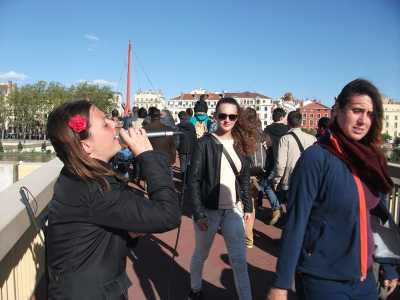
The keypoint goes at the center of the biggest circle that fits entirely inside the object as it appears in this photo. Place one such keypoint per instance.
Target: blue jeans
(266, 185)
(313, 288)
(232, 227)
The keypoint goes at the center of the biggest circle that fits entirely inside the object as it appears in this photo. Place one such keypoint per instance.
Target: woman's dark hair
(364, 87)
(142, 113)
(67, 143)
(244, 133)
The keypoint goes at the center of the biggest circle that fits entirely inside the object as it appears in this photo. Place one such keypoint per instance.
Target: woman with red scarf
(327, 244)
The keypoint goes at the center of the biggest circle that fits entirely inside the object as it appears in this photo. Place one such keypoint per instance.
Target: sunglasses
(222, 116)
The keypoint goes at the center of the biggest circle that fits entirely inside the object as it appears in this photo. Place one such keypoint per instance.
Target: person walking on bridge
(338, 183)
(219, 193)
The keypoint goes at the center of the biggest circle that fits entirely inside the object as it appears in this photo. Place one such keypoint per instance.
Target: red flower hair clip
(77, 123)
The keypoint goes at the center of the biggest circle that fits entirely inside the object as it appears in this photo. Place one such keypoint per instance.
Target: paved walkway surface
(156, 276)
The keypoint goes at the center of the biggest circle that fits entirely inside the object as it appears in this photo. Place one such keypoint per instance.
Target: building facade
(149, 98)
(391, 115)
(312, 112)
(262, 104)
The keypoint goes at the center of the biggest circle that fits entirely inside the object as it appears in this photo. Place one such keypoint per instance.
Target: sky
(311, 48)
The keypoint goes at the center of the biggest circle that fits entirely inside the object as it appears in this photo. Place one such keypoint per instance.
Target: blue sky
(311, 48)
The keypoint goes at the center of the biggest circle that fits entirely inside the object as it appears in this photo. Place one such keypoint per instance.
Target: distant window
(326, 115)
(265, 123)
(304, 116)
(311, 123)
(387, 117)
(387, 124)
(318, 116)
(395, 125)
(265, 116)
(304, 122)
(395, 117)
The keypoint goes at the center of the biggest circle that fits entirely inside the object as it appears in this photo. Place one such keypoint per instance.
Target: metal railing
(394, 201)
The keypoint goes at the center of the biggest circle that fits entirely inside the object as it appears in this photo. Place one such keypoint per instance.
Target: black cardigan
(204, 178)
(88, 227)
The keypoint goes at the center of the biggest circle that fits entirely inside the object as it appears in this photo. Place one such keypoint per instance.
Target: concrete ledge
(14, 219)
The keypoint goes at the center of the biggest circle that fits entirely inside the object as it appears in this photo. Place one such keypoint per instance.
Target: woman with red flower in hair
(93, 209)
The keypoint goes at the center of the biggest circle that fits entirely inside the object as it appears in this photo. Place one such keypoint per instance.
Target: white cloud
(11, 75)
(101, 82)
(91, 37)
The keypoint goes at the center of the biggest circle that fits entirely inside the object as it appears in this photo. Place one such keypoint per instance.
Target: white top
(227, 191)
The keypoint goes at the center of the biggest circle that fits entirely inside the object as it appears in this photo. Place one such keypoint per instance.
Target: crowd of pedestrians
(323, 190)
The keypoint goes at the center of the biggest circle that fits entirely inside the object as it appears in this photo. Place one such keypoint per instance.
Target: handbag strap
(228, 157)
(297, 141)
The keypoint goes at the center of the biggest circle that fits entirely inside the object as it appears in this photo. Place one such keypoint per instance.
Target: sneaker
(276, 214)
(195, 295)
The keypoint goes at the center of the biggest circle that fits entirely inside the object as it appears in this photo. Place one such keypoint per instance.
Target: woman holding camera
(93, 209)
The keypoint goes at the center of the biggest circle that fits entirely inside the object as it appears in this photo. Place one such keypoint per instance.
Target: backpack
(259, 160)
(201, 128)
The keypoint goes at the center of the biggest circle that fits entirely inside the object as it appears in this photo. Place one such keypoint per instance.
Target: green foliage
(311, 131)
(386, 137)
(43, 147)
(1, 147)
(20, 147)
(395, 157)
(397, 141)
(28, 106)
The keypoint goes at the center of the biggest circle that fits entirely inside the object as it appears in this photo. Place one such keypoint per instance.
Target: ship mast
(128, 84)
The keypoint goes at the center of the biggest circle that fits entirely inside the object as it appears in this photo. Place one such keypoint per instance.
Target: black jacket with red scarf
(204, 178)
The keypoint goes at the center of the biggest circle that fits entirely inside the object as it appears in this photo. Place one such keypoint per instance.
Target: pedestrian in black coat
(93, 210)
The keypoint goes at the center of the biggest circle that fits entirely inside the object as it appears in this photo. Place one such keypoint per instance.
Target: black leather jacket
(204, 177)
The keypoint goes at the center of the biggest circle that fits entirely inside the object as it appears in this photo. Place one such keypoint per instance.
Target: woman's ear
(87, 147)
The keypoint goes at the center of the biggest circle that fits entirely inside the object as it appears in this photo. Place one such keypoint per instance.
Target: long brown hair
(244, 133)
(67, 143)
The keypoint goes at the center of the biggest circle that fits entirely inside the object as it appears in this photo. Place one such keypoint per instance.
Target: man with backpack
(201, 121)
(273, 133)
(290, 148)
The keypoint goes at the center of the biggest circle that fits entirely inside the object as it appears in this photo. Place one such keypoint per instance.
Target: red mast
(128, 84)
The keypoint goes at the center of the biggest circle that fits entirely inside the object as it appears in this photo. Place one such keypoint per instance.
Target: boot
(276, 214)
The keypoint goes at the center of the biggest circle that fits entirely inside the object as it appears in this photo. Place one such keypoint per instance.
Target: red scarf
(367, 164)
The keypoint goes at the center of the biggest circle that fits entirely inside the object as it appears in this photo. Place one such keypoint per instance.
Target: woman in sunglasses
(219, 188)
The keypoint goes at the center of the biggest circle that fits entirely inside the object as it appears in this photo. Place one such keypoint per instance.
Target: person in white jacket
(291, 146)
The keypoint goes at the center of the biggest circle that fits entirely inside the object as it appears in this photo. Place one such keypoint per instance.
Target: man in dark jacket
(163, 144)
(187, 140)
(273, 133)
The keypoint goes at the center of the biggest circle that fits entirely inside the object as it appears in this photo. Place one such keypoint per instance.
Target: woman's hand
(202, 224)
(246, 217)
(277, 294)
(390, 285)
(136, 140)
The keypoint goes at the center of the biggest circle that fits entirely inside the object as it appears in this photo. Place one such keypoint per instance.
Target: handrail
(14, 219)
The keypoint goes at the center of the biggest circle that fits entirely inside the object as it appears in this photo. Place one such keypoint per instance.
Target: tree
(3, 115)
(395, 157)
(100, 96)
(1, 147)
(386, 137)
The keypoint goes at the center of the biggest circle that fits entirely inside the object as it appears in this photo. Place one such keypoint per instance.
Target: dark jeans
(314, 288)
